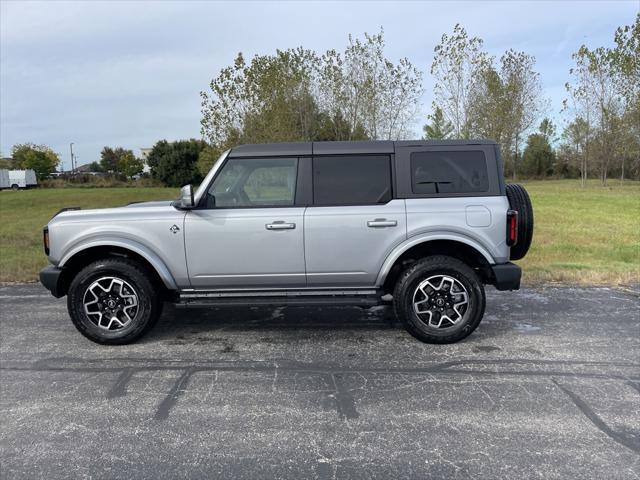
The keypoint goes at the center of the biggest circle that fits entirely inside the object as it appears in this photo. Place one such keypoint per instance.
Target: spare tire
(519, 200)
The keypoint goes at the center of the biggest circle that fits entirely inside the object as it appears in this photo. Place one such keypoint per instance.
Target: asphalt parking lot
(547, 387)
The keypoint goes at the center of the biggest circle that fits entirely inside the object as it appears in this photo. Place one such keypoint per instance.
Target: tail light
(45, 238)
(512, 227)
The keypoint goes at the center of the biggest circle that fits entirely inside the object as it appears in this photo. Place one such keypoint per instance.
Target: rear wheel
(113, 301)
(439, 300)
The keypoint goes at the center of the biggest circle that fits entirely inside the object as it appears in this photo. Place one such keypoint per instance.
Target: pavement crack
(634, 385)
(119, 389)
(162, 413)
(630, 443)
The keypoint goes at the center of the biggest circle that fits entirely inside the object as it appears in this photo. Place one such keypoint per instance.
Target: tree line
(358, 93)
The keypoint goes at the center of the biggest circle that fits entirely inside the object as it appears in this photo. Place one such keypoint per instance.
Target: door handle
(381, 223)
(280, 225)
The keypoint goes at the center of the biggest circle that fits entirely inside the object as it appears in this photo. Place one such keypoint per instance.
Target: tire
(122, 283)
(519, 200)
(459, 323)
(15, 187)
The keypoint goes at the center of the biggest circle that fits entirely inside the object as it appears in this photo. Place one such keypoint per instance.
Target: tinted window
(259, 182)
(349, 180)
(449, 172)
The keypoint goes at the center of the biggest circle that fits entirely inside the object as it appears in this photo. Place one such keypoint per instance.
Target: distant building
(86, 168)
(144, 155)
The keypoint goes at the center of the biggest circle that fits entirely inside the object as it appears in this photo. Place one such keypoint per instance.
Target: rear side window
(351, 180)
(449, 172)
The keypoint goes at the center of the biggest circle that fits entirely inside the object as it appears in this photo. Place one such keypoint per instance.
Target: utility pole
(71, 148)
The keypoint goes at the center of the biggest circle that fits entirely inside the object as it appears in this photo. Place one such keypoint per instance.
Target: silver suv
(422, 224)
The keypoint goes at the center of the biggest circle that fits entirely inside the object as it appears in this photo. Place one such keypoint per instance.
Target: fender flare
(136, 247)
(425, 238)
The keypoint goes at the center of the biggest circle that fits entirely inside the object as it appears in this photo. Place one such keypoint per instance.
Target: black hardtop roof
(341, 148)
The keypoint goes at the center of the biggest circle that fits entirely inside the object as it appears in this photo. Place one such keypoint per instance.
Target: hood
(131, 212)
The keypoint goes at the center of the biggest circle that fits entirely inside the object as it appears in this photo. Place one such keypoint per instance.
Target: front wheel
(113, 301)
(439, 300)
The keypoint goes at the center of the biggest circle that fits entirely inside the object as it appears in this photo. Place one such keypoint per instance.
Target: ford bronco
(422, 224)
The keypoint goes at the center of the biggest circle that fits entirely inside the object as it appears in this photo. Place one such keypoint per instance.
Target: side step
(302, 297)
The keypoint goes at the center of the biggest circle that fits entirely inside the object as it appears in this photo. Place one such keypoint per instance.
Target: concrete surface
(547, 387)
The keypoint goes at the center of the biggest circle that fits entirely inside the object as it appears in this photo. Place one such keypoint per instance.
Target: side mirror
(186, 202)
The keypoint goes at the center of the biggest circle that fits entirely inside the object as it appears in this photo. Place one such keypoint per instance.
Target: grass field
(589, 235)
(24, 213)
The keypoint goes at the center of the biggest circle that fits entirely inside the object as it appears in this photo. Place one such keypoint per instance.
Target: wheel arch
(81, 255)
(456, 246)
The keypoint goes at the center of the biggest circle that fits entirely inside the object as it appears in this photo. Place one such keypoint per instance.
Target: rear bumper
(50, 278)
(506, 276)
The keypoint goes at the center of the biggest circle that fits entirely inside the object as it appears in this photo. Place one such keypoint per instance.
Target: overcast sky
(129, 73)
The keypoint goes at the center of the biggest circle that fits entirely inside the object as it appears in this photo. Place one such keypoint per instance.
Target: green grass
(584, 235)
(24, 213)
(589, 235)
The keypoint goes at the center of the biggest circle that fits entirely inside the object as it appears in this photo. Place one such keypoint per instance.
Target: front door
(247, 232)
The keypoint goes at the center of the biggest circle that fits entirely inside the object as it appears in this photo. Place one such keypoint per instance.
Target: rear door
(249, 231)
(353, 222)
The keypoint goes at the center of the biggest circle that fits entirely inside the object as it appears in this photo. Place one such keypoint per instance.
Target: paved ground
(547, 387)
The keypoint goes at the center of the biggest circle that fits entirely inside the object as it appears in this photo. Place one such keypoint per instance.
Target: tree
(439, 128)
(6, 163)
(538, 158)
(175, 163)
(111, 159)
(456, 64)
(547, 129)
(624, 61)
(298, 95)
(40, 158)
(524, 94)
(491, 108)
(575, 144)
(207, 158)
(95, 167)
(481, 99)
(131, 166)
(268, 99)
(368, 91)
(604, 91)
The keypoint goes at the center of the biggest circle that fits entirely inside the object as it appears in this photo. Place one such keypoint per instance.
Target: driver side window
(254, 182)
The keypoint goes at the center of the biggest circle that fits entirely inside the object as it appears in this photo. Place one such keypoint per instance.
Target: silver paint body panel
(341, 249)
(234, 247)
(329, 246)
(144, 229)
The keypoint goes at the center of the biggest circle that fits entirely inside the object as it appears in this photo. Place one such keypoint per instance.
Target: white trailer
(22, 179)
(4, 179)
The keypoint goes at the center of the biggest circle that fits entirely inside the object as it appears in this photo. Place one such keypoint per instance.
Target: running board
(359, 298)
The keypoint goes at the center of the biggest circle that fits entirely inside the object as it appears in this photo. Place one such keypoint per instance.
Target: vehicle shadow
(179, 322)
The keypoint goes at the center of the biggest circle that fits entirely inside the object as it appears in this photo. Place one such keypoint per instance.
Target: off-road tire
(519, 200)
(423, 269)
(149, 301)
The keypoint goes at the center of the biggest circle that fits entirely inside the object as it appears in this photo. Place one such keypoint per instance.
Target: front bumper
(506, 276)
(50, 278)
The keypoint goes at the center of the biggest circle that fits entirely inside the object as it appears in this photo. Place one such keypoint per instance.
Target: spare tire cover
(519, 200)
